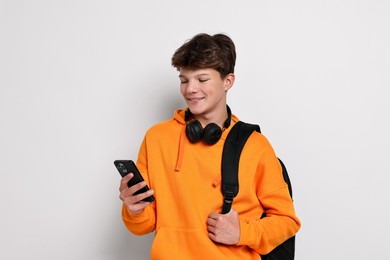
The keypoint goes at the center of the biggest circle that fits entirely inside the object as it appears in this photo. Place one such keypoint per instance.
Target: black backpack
(234, 144)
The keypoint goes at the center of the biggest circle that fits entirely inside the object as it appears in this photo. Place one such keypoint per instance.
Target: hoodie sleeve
(145, 222)
(139, 224)
(281, 222)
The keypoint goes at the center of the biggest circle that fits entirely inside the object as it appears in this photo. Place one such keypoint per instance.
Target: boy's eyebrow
(197, 75)
(203, 74)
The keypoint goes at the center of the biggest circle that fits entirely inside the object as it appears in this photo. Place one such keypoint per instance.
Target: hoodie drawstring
(181, 149)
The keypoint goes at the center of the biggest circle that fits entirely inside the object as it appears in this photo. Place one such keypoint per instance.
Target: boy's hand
(134, 203)
(224, 228)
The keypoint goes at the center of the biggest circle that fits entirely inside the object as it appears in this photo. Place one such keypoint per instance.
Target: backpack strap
(233, 146)
(286, 177)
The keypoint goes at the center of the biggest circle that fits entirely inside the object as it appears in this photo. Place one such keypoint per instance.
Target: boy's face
(204, 91)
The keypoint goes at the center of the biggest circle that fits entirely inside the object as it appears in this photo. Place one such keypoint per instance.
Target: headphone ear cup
(212, 133)
(194, 131)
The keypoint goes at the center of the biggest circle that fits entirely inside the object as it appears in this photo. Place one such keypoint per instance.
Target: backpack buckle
(227, 201)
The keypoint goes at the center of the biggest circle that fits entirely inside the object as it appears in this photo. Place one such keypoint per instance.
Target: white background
(81, 81)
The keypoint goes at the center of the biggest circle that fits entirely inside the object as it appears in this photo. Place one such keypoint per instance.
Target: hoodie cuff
(249, 234)
(134, 218)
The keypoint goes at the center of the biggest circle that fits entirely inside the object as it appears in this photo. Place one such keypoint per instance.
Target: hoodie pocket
(176, 243)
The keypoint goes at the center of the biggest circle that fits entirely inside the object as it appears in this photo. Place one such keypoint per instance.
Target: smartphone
(124, 167)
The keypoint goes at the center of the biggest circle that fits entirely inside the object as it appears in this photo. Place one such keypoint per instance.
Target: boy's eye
(203, 80)
(183, 81)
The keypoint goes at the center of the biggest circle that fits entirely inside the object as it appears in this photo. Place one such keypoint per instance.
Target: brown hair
(205, 51)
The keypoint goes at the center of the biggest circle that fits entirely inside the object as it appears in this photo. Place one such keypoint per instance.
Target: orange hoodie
(186, 179)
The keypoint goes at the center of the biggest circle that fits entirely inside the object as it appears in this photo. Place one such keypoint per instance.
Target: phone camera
(122, 168)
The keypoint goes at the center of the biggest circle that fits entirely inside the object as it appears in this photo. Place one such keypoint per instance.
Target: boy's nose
(192, 86)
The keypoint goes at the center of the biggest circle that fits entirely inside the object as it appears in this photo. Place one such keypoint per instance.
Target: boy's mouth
(195, 99)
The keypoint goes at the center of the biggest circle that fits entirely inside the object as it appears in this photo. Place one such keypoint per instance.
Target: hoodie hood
(179, 117)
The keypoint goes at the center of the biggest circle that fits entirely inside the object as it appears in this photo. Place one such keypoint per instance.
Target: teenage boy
(180, 160)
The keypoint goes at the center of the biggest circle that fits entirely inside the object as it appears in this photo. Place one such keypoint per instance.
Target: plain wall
(81, 81)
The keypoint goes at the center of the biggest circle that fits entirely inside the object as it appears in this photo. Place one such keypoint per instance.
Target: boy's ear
(229, 81)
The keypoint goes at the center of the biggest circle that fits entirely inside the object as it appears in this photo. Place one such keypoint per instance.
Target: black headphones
(210, 134)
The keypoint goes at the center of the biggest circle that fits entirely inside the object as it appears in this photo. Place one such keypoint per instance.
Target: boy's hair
(205, 51)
